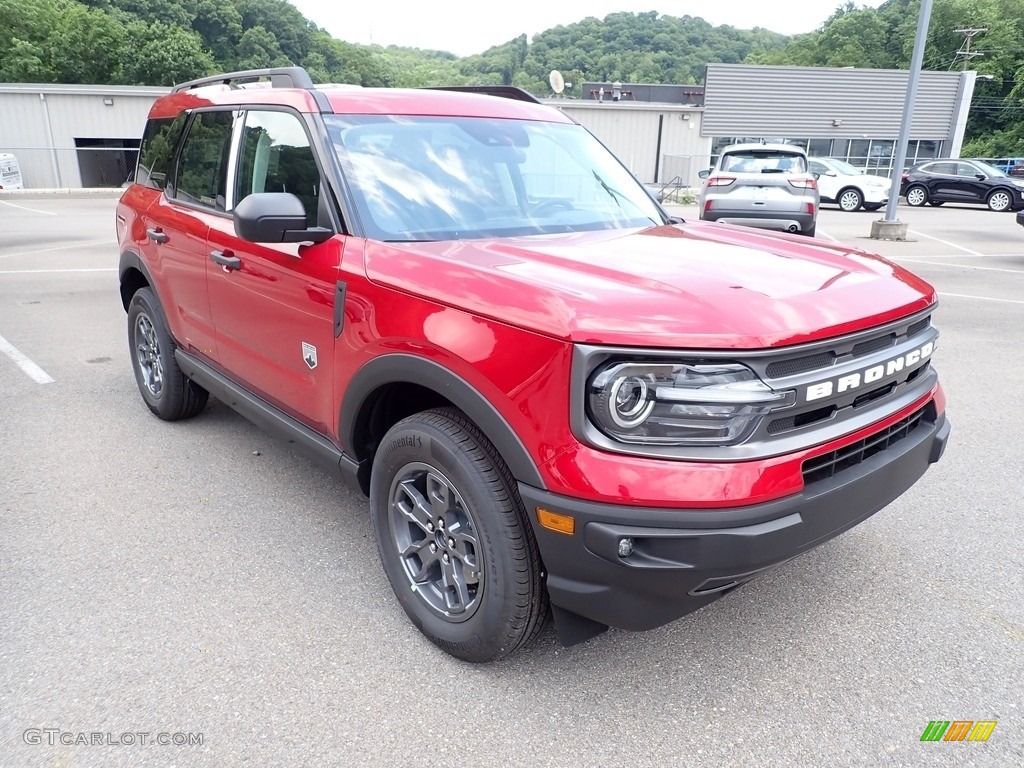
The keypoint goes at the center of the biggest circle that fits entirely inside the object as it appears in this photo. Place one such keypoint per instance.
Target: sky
(465, 28)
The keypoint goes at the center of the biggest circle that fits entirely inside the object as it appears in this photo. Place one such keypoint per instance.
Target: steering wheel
(545, 207)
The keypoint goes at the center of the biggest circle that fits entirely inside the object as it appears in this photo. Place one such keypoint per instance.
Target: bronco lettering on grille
(869, 375)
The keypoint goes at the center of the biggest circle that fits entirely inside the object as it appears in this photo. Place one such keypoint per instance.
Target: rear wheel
(809, 232)
(850, 200)
(917, 196)
(164, 388)
(454, 538)
(1000, 200)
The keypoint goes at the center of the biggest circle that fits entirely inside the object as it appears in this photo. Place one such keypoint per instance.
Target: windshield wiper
(611, 192)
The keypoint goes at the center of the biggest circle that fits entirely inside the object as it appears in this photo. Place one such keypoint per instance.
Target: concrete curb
(43, 194)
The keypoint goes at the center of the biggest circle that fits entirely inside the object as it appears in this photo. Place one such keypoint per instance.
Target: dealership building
(88, 136)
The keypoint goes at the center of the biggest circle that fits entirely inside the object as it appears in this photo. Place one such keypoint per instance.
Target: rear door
(273, 305)
(177, 224)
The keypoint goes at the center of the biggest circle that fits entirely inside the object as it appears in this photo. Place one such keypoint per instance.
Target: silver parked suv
(761, 185)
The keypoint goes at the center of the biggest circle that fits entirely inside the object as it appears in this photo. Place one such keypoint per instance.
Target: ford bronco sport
(558, 398)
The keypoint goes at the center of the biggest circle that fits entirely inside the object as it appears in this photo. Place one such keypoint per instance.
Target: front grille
(797, 365)
(830, 464)
(873, 345)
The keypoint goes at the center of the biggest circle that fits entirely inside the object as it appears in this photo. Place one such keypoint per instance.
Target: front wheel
(850, 200)
(917, 196)
(454, 538)
(999, 201)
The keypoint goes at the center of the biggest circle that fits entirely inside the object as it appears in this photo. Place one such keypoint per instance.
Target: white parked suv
(849, 187)
(761, 185)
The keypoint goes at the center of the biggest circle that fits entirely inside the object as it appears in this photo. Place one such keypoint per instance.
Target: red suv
(557, 397)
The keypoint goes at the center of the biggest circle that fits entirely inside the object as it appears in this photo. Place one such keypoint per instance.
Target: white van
(10, 172)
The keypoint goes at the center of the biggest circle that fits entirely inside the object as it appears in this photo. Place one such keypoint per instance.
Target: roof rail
(280, 77)
(502, 91)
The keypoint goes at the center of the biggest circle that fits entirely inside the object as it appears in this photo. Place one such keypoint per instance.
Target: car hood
(696, 285)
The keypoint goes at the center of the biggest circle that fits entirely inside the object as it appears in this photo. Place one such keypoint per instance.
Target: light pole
(891, 228)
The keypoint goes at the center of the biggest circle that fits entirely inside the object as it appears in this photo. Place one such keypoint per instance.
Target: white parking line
(944, 242)
(52, 271)
(24, 208)
(966, 266)
(57, 248)
(980, 298)
(34, 371)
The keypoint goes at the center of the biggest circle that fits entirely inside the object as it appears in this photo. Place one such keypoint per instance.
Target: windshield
(988, 170)
(844, 168)
(763, 161)
(457, 178)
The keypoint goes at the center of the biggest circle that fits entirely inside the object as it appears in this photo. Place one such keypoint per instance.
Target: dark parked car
(962, 181)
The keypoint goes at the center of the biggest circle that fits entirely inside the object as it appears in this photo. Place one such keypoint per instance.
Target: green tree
(167, 55)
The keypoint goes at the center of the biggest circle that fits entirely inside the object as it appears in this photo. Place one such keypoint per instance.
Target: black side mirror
(275, 217)
(980, 176)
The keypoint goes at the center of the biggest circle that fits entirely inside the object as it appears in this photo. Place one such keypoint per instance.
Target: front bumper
(684, 559)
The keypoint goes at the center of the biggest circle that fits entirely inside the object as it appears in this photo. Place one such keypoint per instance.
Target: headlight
(680, 404)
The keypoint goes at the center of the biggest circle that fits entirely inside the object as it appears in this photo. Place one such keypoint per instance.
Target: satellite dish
(557, 81)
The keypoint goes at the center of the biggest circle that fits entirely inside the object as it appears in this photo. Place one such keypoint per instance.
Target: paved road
(201, 578)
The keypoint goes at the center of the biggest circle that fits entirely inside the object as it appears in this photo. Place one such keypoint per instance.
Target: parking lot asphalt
(201, 578)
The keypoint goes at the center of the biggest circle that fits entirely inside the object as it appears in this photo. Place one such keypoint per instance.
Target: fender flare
(132, 260)
(402, 368)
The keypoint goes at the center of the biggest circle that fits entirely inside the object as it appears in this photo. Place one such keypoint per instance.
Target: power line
(965, 51)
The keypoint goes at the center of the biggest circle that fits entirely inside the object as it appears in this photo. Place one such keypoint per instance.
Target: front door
(273, 308)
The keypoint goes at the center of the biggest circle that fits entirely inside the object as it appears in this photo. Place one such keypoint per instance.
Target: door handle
(157, 235)
(226, 259)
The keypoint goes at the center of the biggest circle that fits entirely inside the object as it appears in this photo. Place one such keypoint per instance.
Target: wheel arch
(393, 386)
(133, 274)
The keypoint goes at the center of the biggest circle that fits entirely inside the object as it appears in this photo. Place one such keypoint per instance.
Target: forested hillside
(162, 42)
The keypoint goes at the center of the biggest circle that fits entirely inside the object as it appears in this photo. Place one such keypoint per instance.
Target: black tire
(872, 206)
(999, 200)
(810, 232)
(164, 388)
(916, 195)
(849, 199)
(454, 538)
(936, 203)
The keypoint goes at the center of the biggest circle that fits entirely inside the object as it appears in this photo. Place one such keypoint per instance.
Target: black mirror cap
(275, 217)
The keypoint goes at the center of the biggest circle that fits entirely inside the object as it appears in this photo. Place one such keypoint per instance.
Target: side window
(947, 168)
(967, 170)
(158, 143)
(276, 157)
(202, 169)
(819, 168)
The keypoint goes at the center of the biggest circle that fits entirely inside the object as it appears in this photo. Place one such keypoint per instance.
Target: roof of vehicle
(291, 87)
(790, 148)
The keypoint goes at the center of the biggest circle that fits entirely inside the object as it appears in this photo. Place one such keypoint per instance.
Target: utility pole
(969, 34)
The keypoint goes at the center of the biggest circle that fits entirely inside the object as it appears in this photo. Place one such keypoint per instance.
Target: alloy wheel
(147, 352)
(434, 533)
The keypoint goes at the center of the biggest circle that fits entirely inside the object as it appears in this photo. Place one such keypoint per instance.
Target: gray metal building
(853, 114)
(657, 142)
(74, 135)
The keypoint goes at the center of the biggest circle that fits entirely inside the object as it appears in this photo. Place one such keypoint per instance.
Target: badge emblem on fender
(309, 354)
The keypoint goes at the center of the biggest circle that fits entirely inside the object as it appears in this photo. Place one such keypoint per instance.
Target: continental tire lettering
(405, 441)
